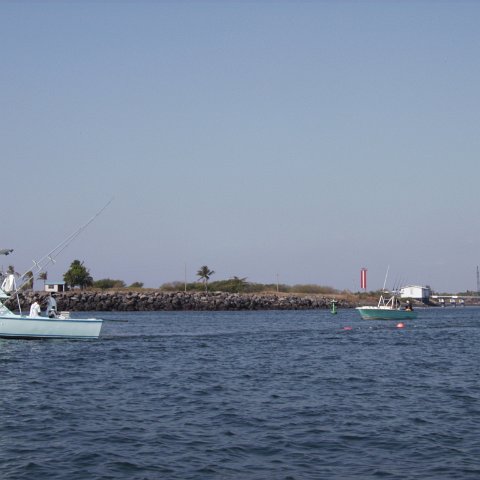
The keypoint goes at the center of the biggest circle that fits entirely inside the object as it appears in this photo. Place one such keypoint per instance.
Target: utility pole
(478, 282)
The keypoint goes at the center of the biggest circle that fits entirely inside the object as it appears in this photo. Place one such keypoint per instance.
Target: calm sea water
(246, 395)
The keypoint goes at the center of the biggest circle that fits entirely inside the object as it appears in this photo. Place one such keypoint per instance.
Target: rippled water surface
(246, 395)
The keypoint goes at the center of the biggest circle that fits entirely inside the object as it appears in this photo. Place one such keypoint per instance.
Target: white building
(55, 287)
(416, 292)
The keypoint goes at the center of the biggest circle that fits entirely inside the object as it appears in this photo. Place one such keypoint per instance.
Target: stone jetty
(90, 300)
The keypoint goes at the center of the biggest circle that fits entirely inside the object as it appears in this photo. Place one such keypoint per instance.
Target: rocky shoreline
(170, 301)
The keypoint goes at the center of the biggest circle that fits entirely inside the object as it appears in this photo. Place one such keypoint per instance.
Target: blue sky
(303, 140)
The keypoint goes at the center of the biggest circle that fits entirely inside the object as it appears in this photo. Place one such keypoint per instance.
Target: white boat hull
(20, 326)
(385, 313)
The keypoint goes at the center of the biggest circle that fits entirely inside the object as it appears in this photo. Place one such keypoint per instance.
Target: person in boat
(408, 306)
(51, 307)
(35, 308)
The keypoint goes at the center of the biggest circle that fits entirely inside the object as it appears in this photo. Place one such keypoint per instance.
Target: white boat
(14, 325)
(387, 309)
(54, 324)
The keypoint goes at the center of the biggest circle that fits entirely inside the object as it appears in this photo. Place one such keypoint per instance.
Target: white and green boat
(387, 309)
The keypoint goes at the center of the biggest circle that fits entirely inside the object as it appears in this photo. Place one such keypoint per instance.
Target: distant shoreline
(155, 300)
(183, 301)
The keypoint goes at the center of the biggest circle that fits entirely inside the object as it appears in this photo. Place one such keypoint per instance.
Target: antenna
(478, 282)
(386, 275)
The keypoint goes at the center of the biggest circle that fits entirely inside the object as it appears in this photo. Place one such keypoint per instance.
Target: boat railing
(391, 302)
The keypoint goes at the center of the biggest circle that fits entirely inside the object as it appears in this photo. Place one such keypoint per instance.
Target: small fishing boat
(54, 324)
(387, 309)
(23, 326)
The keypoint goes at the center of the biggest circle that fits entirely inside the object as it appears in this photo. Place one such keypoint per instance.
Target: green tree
(232, 285)
(239, 284)
(105, 283)
(204, 274)
(78, 274)
(174, 286)
(136, 285)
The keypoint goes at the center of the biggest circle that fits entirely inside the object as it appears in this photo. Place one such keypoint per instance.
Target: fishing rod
(50, 257)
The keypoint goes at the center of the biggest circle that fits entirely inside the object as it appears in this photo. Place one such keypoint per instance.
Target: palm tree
(29, 280)
(11, 270)
(43, 276)
(204, 274)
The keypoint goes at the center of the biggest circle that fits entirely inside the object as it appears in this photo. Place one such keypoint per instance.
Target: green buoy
(333, 310)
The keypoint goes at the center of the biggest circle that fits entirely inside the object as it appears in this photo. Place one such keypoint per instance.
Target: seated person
(51, 307)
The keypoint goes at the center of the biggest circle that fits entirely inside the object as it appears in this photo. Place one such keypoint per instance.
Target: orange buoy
(400, 325)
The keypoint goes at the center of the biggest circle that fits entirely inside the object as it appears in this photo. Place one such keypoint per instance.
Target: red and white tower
(363, 278)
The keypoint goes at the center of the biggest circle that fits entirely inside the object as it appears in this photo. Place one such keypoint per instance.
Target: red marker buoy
(400, 325)
(347, 328)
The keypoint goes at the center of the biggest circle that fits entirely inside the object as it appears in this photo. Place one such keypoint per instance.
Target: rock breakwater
(169, 301)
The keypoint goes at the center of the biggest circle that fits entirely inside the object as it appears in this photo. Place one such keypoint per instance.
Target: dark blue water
(257, 395)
